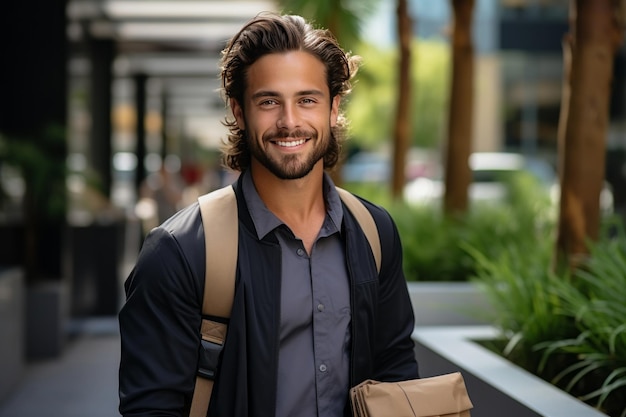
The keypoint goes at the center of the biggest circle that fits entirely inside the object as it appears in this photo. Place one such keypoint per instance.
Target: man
(311, 316)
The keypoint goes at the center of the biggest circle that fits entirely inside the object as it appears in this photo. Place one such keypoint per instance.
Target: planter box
(448, 303)
(496, 386)
(96, 253)
(47, 318)
(11, 319)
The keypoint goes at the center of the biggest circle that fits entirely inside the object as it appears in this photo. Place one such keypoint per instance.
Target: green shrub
(570, 330)
(430, 245)
(594, 301)
(434, 246)
(517, 284)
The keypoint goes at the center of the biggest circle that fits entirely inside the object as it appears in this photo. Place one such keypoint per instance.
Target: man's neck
(298, 203)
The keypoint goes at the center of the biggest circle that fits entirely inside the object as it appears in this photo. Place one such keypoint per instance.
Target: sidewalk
(81, 382)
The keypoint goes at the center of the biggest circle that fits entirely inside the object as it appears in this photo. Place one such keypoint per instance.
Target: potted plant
(496, 385)
(567, 328)
(38, 175)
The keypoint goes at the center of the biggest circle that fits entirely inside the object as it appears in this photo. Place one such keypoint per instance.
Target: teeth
(292, 143)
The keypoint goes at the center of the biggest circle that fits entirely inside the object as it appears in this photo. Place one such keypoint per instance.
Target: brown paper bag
(442, 396)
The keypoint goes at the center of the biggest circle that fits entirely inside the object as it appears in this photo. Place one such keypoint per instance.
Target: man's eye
(307, 101)
(268, 102)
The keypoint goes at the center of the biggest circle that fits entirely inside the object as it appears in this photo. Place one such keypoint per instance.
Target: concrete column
(101, 55)
(140, 127)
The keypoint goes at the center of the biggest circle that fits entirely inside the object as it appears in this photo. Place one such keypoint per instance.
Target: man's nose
(288, 117)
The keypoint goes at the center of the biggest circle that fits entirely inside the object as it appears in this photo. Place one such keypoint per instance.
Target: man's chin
(291, 175)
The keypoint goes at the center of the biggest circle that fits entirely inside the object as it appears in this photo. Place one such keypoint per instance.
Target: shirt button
(323, 368)
(320, 307)
(300, 252)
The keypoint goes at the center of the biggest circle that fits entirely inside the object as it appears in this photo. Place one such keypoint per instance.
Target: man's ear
(237, 113)
(334, 110)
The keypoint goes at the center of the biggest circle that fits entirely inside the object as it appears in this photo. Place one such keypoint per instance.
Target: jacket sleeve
(159, 327)
(395, 354)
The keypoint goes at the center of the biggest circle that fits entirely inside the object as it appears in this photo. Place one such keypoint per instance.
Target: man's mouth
(290, 143)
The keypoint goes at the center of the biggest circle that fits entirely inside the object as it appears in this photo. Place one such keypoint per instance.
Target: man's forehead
(293, 73)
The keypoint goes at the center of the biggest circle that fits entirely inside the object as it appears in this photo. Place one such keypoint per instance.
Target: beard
(290, 167)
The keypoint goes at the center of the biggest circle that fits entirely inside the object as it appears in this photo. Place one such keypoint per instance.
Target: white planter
(496, 386)
(448, 303)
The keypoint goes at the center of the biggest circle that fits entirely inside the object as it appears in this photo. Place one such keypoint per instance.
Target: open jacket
(160, 321)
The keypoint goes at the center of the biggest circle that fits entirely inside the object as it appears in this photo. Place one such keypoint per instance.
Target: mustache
(285, 133)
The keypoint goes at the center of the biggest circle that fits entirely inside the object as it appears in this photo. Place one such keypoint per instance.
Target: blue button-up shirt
(313, 365)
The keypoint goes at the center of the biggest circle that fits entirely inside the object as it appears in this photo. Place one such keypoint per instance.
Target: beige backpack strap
(366, 221)
(219, 219)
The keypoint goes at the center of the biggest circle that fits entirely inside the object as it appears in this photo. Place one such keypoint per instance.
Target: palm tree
(459, 143)
(342, 18)
(596, 30)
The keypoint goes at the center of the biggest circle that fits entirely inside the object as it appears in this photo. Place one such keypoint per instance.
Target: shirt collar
(265, 221)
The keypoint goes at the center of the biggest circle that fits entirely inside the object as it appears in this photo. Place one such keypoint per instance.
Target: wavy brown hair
(270, 33)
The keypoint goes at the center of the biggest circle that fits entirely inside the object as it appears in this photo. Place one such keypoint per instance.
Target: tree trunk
(402, 128)
(589, 51)
(460, 114)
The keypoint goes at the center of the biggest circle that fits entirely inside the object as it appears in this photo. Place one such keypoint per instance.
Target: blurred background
(110, 121)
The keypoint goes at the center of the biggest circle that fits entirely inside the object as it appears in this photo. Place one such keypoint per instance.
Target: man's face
(288, 113)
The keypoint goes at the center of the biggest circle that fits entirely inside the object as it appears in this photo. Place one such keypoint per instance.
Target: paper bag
(441, 396)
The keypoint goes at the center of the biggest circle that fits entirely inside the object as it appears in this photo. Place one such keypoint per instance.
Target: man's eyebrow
(264, 93)
(310, 93)
(269, 93)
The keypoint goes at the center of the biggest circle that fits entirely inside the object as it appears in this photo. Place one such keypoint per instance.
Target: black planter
(47, 319)
(11, 328)
(96, 253)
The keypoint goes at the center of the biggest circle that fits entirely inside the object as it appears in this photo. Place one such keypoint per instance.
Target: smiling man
(312, 316)
(287, 103)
